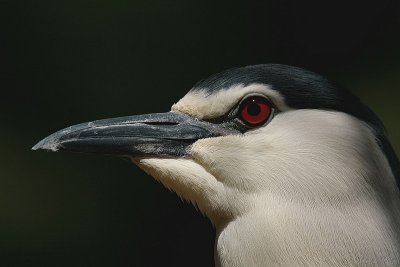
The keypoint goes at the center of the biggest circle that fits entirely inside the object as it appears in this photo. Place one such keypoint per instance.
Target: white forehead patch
(203, 104)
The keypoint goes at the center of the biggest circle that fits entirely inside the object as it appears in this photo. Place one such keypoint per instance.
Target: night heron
(291, 169)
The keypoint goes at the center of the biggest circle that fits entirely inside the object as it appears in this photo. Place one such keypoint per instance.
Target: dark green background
(65, 62)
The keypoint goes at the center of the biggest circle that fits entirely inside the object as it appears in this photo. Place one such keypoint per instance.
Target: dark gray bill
(162, 134)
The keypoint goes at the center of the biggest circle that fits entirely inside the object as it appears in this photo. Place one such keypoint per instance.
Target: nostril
(160, 123)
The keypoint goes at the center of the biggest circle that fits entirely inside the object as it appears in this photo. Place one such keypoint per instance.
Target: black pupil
(253, 109)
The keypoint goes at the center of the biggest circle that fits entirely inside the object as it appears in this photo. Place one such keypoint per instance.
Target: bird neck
(283, 232)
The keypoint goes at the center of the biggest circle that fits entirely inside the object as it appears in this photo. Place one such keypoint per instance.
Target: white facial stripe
(203, 105)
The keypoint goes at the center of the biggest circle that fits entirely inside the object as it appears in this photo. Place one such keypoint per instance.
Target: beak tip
(49, 144)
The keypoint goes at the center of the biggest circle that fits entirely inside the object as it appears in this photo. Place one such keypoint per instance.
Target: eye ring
(255, 110)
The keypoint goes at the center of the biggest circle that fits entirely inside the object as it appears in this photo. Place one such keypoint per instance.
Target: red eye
(255, 110)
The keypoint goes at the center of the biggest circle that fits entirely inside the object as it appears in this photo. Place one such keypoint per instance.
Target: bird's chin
(173, 173)
(190, 181)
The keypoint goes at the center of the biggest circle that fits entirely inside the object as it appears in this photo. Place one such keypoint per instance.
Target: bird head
(246, 135)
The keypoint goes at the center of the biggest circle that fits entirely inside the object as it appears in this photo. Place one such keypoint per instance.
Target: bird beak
(158, 134)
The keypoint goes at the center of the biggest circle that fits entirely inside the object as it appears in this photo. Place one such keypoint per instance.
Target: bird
(291, 168)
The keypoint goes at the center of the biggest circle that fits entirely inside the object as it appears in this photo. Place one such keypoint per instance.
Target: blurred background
(64, 62)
